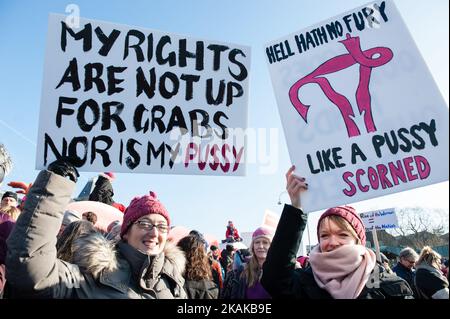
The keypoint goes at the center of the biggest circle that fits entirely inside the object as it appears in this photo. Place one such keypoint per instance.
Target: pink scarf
(344, 271)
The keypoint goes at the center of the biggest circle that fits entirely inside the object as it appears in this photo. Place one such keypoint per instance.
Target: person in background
(5, 168)
(216, 268)
(405, 267)
(200, 237)
(71, 240)
(199, 282)
(23, 189)
(226, 258)
(12, 212)
(244, 282)
(341, 267)
(69, 217)
(113, 231)
(385, 264)
(5, 163)
(103, 190)
(142, 265)
(241, 258)
(232, 234)
(429, 280)
(215, 252)
(9, 199)
(5, 230)
(90, 217)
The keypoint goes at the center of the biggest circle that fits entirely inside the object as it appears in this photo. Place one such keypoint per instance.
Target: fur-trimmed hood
(95, 254)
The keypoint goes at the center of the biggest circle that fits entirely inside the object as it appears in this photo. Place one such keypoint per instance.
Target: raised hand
(64, 168)
(295, 186)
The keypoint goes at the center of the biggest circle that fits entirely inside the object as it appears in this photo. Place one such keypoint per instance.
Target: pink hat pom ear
(153, 194)
(111, 175)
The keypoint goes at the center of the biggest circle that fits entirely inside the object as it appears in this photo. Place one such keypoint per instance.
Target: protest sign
(129, 99)
(270, 219)
(380, 219)
(361, 112)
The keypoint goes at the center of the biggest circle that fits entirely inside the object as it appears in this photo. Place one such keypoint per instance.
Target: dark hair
(195, 233)
(10, 194)
(197, 262)
(229, 248)
(72, 232)
(91, 217)
(243, 253)
(200, 236)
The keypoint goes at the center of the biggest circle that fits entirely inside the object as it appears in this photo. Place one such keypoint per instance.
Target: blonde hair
(252, 272)
(12, 212)
(429, 257)
(342, 224)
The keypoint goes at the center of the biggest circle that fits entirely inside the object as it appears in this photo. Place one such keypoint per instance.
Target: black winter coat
(407, 274)
(431, 283)
(202, 289)
(234, 286)
(282, 280)
(103, 191)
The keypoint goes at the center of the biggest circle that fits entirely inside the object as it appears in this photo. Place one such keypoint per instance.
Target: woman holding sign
(142, 265)
(341, 267)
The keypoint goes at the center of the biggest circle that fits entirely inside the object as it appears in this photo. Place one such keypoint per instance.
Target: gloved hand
(64, 168)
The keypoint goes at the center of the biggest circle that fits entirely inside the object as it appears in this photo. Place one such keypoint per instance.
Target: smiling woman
(142, 265)
(341, 267)
(145, 225)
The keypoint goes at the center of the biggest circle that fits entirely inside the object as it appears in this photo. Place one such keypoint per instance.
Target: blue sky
(201, 202)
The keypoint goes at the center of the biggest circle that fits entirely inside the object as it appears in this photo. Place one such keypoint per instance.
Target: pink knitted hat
(263, 232)
(141, 206)
(351, 216)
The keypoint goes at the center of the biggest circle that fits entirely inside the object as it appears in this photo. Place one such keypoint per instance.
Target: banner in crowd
(361, 112)
(380, 219)
(129, 99)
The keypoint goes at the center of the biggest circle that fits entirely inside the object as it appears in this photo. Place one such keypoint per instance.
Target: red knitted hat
(110, 175)
(351, 216)
(141, 206)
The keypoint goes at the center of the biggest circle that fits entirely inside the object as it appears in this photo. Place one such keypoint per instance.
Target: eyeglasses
(146, 225)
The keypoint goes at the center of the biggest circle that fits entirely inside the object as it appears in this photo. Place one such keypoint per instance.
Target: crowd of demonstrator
(47, 251)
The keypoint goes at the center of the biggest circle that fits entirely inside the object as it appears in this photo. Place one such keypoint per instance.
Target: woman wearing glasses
(141, 265)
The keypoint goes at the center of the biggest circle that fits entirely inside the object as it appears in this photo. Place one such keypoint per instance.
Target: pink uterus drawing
(367, 62)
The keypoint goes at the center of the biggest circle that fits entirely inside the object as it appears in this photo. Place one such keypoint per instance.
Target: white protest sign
(361, 112)
(129, 99)
(270, 219)
(380, 219)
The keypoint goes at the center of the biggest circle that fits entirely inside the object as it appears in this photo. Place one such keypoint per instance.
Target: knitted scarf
(344, 271)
